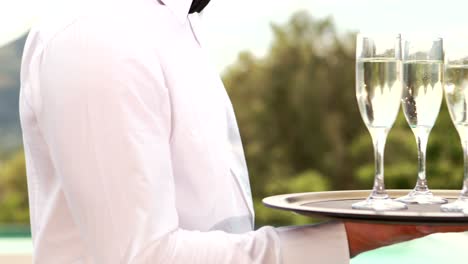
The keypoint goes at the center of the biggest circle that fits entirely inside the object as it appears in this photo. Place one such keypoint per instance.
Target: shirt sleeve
(105, 113)
(324, 243)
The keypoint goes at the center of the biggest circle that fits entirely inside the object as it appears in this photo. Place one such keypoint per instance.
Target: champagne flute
(378, 93)
(456, 95)
(422, 96)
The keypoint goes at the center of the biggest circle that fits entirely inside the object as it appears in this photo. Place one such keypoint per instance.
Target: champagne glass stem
(421, 138)
(460, 205)
(464, 192)
(379, 137)
(379, 200)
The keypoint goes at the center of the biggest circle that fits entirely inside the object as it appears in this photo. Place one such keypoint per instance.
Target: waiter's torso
(212, 190)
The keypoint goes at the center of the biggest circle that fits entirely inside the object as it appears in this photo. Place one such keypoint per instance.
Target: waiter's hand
(366, 236)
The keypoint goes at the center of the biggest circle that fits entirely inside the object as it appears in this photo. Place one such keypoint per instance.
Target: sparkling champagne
(422, 93)
(379, 90)
(456, 95)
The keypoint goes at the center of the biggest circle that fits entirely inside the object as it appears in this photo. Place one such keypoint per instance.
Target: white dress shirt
(132, 148)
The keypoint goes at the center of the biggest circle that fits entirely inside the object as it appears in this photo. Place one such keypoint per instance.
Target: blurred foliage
(300, 124)
(13, 190)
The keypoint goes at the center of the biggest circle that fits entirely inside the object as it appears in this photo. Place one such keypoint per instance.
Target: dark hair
(198, 6)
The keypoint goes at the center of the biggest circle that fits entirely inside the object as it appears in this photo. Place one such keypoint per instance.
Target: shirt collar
(180, 8)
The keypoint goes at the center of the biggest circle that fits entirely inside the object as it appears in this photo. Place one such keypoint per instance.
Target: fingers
(367, 236)
(426, 230)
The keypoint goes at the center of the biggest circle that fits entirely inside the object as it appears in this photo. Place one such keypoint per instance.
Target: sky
(232, 26)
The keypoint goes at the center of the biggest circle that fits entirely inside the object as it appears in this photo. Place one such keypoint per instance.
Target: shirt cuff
(325, 244)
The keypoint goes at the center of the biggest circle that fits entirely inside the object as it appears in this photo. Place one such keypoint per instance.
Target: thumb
(425, 229)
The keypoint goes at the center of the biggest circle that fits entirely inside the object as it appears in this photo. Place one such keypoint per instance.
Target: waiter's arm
(105, 114)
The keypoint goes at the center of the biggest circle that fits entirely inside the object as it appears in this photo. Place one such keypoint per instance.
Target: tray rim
(292, 202)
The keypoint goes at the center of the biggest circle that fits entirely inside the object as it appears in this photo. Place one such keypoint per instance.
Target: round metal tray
(337, 205)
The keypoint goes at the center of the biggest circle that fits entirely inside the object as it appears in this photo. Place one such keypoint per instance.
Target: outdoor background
(289, 70)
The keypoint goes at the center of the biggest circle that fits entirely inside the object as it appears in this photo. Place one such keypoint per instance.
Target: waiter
(133, 151)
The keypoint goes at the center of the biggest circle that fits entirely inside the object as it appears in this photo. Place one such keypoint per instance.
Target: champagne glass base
(460, 205)
(416, 197)
(382, 204)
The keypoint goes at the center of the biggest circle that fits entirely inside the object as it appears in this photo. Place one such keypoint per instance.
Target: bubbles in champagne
(456, 94)
(378, 91)
(422, 92)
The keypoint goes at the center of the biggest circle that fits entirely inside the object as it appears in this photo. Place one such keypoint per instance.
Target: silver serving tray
(337, 205)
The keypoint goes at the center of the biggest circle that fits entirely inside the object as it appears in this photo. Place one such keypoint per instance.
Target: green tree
(13, 190)
(296, 108)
